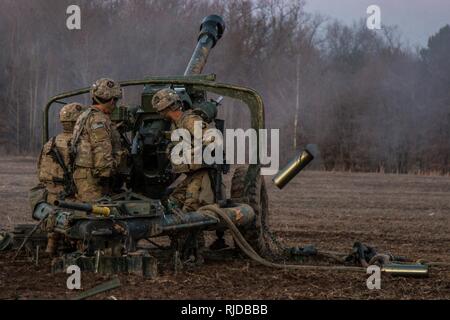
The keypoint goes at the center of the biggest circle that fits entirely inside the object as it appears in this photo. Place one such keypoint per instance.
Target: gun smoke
(368, 101)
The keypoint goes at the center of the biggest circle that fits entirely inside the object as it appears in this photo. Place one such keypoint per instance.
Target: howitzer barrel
(211, 30)
(86, 207)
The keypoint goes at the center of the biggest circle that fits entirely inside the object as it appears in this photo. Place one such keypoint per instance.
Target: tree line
(367, 100)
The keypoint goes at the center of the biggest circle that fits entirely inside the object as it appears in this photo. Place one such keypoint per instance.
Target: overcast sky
(416, 19)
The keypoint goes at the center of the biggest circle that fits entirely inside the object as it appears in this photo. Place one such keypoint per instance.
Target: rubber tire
(257, 198)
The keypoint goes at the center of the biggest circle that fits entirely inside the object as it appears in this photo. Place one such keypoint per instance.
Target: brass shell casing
(285, 175)
(412, 270)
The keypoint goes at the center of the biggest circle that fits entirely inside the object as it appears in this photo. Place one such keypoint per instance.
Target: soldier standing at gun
(96, 147)
(195, 190)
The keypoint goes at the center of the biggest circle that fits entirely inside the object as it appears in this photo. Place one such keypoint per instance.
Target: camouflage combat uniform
(97, 147)
(53, 183)
(195, 190)
(50, 172)
(98, 154)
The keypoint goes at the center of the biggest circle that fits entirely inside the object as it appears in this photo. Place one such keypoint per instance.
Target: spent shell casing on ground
(411, 270)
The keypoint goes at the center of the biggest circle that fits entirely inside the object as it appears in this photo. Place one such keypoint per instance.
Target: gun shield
(285, 175)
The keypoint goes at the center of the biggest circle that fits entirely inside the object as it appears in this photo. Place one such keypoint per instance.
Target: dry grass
(404, 214)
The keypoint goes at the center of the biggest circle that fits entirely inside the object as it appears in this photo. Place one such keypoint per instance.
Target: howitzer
(142, 215)
(109, 230)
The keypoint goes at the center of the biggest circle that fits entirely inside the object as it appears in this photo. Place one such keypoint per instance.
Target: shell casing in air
(411, 270)
(285, 175)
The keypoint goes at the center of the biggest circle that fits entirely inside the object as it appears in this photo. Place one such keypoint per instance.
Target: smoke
(367, 101)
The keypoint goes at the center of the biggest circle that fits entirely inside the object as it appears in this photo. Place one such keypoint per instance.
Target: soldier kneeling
(54, 168)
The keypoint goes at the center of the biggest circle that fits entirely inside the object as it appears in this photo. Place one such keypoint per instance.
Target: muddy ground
(403, 214)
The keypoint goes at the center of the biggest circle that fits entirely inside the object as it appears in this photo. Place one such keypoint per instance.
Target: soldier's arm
(41, 166)
(39, 163)
(189, 124)
(120, 152)
(99, 130)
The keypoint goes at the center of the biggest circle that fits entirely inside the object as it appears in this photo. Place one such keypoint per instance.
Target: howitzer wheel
(257, 198)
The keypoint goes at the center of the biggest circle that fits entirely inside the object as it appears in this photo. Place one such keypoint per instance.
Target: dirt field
(402, 214)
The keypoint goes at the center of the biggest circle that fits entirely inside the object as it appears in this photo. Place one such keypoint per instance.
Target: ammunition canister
(292, 169)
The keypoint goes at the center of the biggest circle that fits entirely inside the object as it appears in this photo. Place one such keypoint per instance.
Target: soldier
(54, 168)
(96, 145)
(195, 190)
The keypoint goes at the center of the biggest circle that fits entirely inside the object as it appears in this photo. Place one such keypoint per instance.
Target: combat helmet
(106, 89)
(166, 98)
(70, 112)
(69, 115)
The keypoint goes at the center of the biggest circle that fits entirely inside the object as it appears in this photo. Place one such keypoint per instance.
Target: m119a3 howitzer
(104, 236)
(112, 227)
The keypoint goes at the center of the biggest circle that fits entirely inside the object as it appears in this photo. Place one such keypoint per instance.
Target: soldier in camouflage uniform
(195, 190)
(55, 176)
(96, 145)
(55, 171)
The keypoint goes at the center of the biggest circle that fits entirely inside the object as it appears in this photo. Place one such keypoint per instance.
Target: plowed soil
(403, 214)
